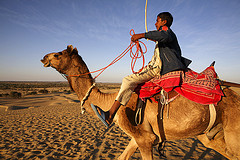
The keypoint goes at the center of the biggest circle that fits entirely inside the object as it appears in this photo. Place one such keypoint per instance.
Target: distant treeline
(12, 95)
(23, 85)
(108, 85)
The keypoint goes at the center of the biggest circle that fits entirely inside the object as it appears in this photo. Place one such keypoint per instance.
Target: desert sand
(50, 126)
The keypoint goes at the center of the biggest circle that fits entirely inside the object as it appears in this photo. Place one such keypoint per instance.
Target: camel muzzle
(45, 62)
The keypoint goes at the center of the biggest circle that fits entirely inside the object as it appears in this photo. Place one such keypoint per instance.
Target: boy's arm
(161, 36)
(154, 36)
(136, 37)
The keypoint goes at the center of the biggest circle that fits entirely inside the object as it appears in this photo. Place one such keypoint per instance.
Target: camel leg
(146, 151)
(218, 143)
(231, 128)
(224, 143)
(232, 138)
(145, 145)
(128, 152)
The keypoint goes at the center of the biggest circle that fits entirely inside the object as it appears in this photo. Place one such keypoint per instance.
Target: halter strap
(85, 97)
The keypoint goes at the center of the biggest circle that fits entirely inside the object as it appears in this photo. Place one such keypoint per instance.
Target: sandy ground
(51, 127)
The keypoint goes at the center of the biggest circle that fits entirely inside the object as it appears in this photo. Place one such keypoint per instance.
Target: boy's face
(159, 23)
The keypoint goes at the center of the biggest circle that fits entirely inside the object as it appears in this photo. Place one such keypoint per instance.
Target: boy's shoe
(101, 115)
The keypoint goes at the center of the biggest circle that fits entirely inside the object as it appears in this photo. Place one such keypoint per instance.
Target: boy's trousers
(130, 82)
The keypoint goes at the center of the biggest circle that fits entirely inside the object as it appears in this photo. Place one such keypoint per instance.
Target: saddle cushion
(201, 87)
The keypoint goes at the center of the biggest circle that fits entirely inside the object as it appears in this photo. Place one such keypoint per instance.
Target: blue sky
(207, 30)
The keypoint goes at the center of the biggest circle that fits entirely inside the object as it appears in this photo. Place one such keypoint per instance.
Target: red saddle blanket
(201, 87)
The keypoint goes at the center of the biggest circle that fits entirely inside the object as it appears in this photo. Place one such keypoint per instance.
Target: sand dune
(51, 127)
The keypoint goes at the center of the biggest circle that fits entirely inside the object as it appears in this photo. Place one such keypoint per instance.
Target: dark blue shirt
(169, 49)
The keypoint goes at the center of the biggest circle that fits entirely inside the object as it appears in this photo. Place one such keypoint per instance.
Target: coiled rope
(139, 53)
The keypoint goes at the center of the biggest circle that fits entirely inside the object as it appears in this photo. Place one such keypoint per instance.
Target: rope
(138, 116)
(85, 98)
(134, 55)
(164, 101)
(146, 16)
(87, 94)
(212, 119)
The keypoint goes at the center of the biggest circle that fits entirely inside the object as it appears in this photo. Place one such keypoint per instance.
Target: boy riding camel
(167, 58)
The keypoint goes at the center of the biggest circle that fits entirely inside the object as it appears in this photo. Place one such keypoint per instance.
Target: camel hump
(213, 63)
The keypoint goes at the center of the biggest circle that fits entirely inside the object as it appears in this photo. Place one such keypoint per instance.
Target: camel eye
(58, 54)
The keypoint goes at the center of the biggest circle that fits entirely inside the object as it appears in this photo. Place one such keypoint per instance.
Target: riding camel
(186, 118)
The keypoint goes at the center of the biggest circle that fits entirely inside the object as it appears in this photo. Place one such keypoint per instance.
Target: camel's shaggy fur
(186, 118)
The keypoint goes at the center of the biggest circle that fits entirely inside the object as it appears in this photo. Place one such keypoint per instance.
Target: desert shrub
(55, 91)
(32, 93)
(4, 86)
(66, 91)
(44, 91)
(15, 94)
(5, 95)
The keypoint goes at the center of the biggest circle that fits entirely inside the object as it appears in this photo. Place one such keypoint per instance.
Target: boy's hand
(136, 37)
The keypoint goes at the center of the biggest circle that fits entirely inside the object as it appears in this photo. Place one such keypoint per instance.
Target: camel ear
(69, 48)
(75, 51)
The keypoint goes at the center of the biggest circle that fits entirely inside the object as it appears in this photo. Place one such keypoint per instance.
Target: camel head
(61, 61)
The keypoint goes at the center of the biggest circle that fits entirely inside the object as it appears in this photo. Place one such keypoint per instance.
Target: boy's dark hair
(166, 16)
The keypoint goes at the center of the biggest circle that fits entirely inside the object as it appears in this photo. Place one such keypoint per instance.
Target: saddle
(202, 88)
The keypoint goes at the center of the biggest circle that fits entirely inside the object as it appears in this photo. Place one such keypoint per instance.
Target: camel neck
(84, 87)
(80, 85)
